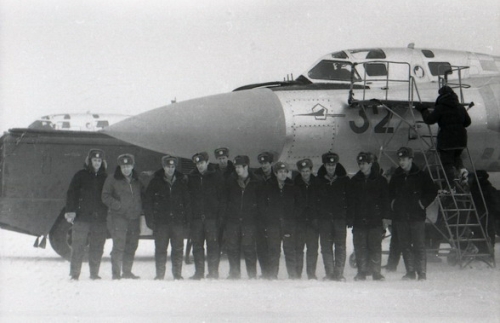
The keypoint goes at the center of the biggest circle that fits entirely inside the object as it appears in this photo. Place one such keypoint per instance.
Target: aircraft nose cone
(246, 122)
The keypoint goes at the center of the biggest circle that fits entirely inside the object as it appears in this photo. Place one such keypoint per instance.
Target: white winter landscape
(35, 287)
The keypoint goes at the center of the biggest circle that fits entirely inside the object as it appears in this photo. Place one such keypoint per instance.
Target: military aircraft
(328, 108)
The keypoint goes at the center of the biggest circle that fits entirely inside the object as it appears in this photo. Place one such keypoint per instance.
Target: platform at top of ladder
(399, 103)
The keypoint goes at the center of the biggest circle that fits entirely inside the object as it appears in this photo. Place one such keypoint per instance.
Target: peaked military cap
(219, 152)
(199, 157)
(96, 153)
(330, 158)
(280, 165)
(304, 163)
(169, 161)
(126, 159)
(241, 160)
(364, 158)
(265, 157)
(405, 152)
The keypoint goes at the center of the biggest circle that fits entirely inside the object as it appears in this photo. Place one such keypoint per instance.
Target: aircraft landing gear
(60, 237)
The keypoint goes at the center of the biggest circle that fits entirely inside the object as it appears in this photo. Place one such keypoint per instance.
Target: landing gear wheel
(352, 261)
(451, 259)
(60, 237)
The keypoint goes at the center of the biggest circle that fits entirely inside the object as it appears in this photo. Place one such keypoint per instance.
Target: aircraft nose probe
(247, 122)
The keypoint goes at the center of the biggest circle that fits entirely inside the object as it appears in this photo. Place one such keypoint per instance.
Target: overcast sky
(59, 56)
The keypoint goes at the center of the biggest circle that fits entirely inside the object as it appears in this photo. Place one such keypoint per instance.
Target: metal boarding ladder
(462, 225)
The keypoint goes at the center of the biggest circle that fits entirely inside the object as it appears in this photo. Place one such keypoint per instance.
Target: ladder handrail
(460, 207)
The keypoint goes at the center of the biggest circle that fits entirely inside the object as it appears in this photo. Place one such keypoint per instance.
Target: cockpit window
(376, 69)
(376, 54)
(332, 71)
(341, 55)
(439, 68)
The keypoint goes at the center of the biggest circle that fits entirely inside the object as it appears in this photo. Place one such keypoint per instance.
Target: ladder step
(458, 210)
(469, 240)
(465, 225)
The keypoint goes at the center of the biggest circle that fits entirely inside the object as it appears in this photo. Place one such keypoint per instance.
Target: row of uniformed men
(252, 212)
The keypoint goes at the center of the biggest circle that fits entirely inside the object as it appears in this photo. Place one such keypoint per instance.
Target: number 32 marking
(379, 128)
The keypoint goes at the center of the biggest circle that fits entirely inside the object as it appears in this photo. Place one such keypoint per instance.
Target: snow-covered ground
(35, 287)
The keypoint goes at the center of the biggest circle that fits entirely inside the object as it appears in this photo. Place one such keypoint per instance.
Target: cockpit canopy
(332, 70)
(378, 65)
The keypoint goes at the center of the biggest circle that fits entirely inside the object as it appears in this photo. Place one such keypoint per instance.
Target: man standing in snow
(266, 175)
(332, 210)
(168, 209)
(122, 194)
(206, 189)
(281, 203)
(242, 211)
(307, 223)
(368, 201)
(411, 192)
(87, 213)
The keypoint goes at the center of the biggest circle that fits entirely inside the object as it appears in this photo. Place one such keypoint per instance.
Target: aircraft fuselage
(313, 114)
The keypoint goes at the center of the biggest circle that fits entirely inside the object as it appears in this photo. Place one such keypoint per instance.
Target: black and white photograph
(249, 161)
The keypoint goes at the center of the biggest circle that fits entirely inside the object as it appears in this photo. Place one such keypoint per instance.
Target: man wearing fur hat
(122, 193)
(452, 119)
(206, 189)
(224, 166)
(266, 175)
(168, 209)
(368, 204)
(332, 208)
(411, 191)
(242, 211)
(281, 203)
(307, 223)
(87, 213)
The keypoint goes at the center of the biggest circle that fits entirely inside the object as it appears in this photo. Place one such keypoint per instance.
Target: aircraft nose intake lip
(246, 122)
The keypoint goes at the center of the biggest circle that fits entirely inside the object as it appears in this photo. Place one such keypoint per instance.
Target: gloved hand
(70, 217)
(350, 223)
(151, 225)
(420, 107)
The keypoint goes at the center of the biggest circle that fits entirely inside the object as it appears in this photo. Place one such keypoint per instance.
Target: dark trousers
(93, 233)
(307, 235)
(412, 243)
(262, 250)
(333, 232)
(394, 250)
(452, 161)
(238, 238)
(276, 235)
(125, 234)
(163, 234)
(368, 248)
(201, 231)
